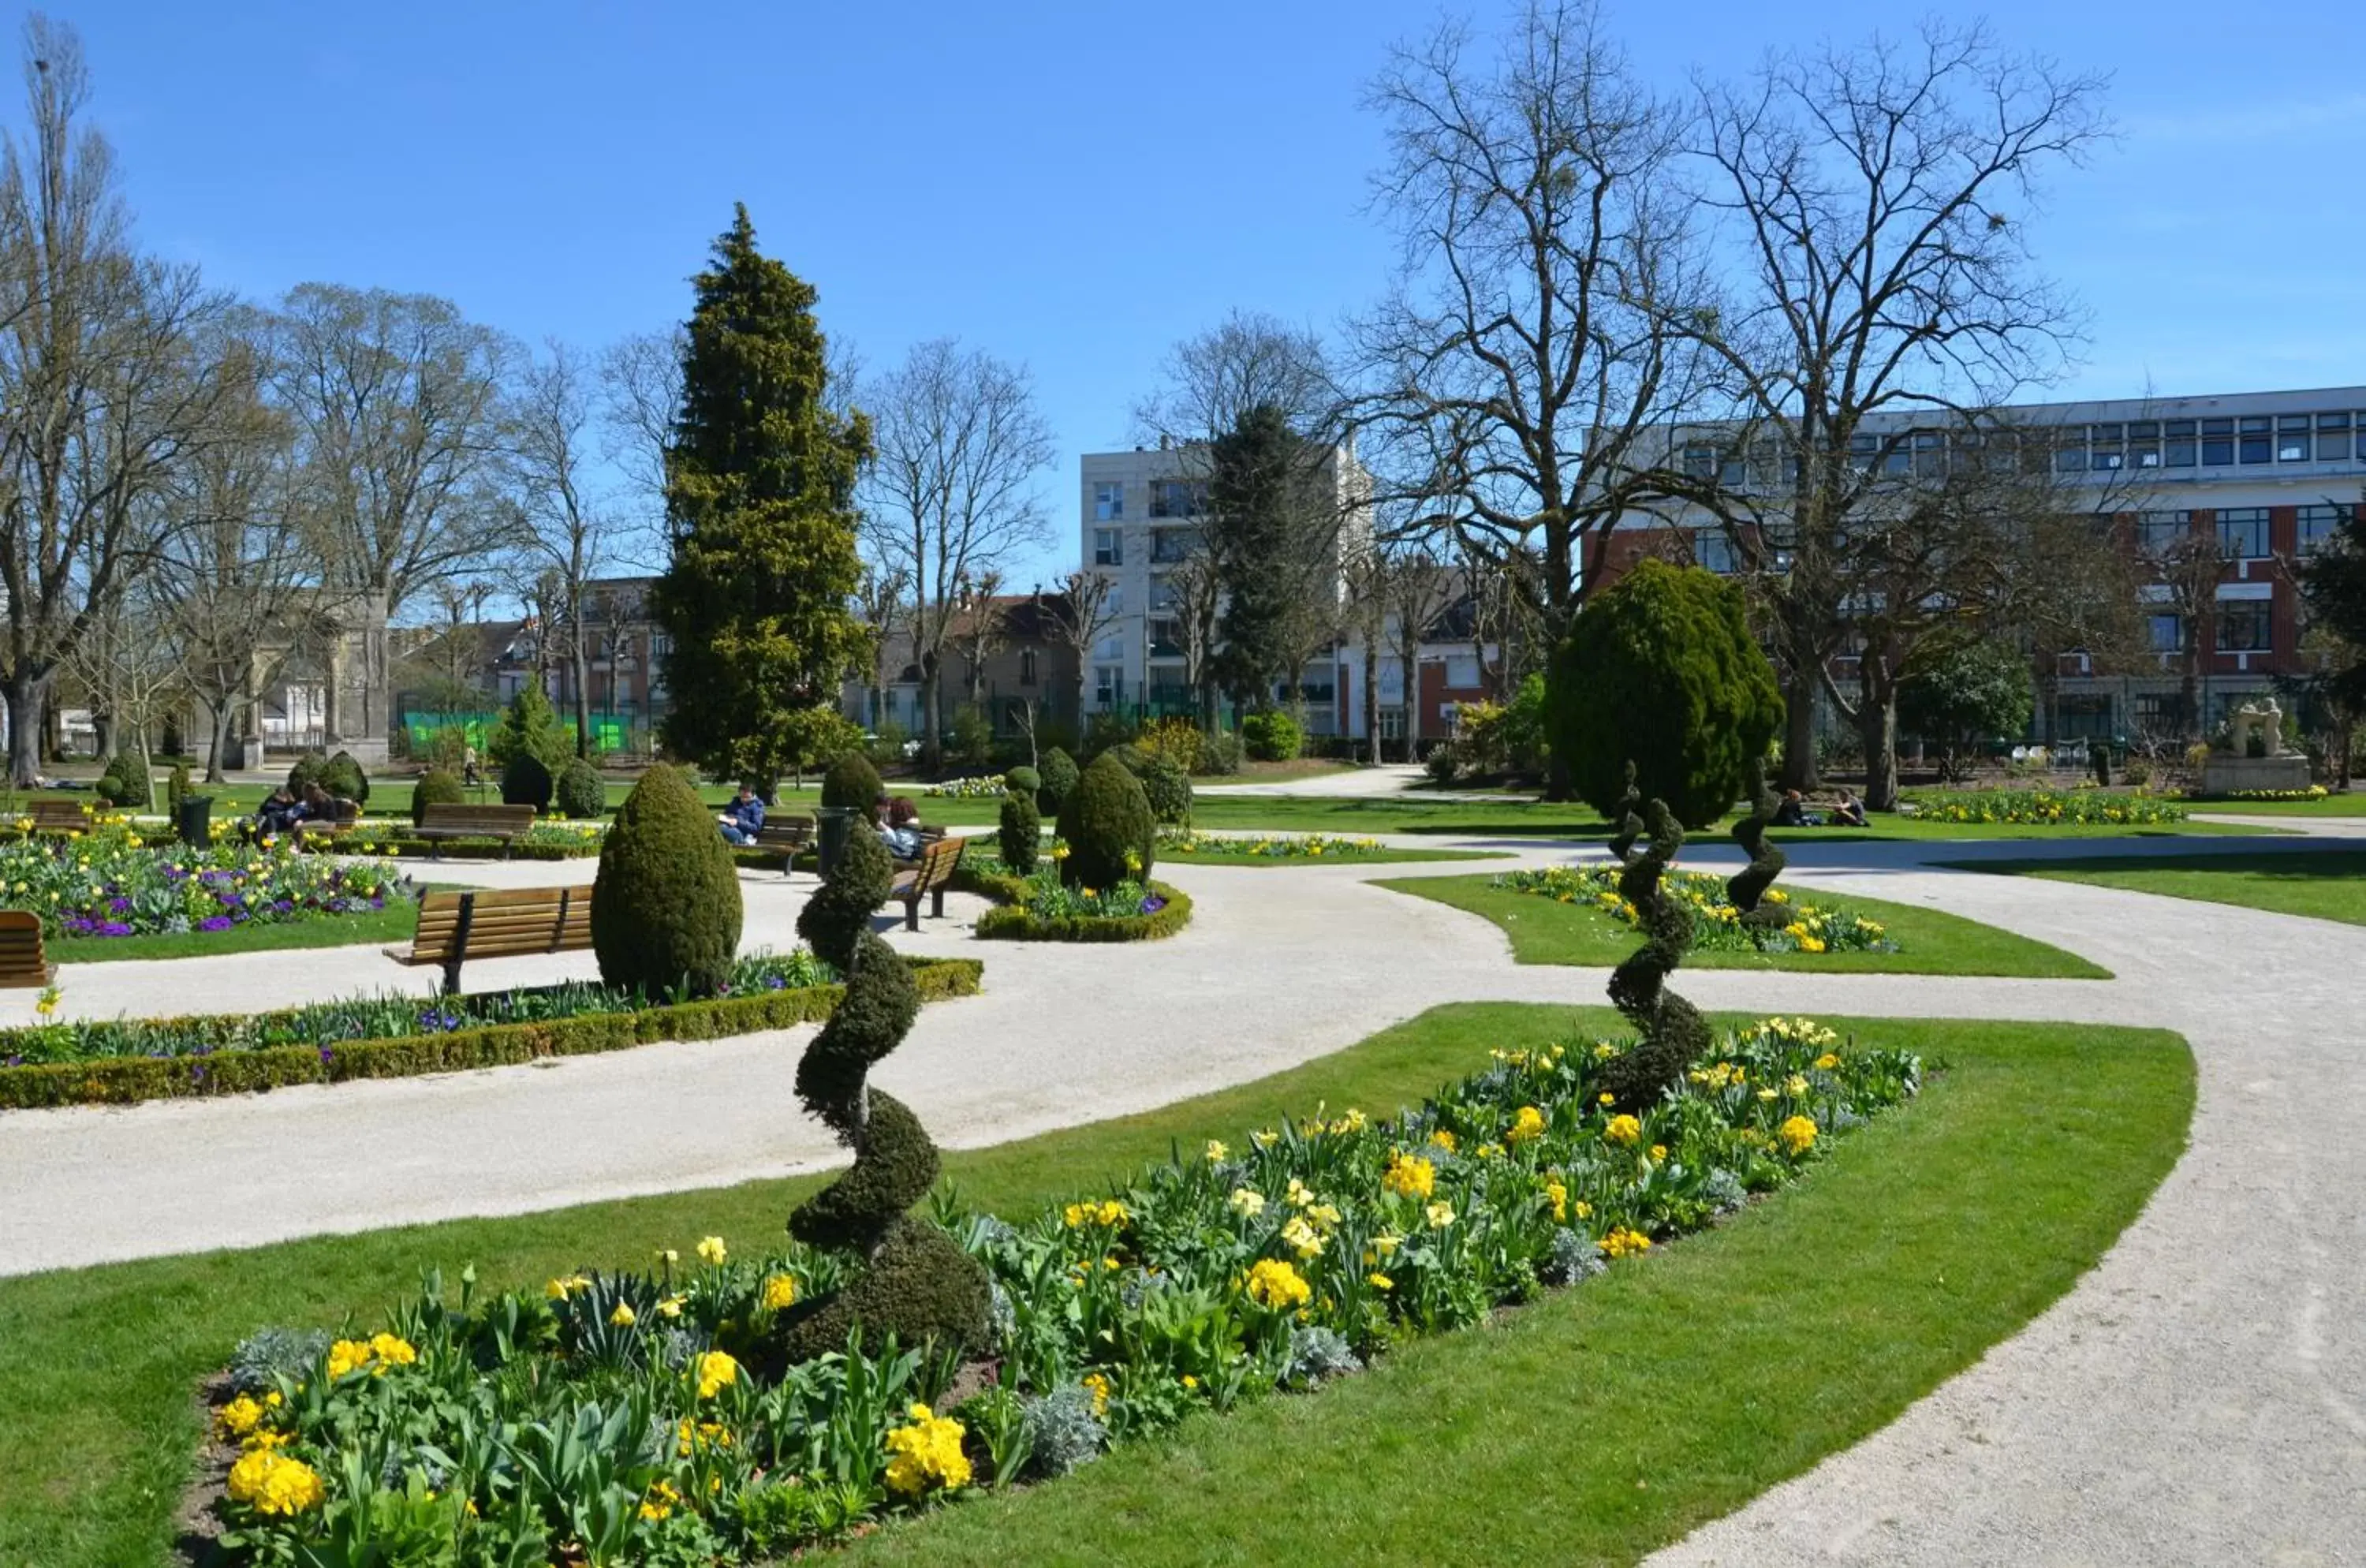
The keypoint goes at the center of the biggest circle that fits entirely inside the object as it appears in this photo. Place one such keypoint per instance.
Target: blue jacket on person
(746, 815)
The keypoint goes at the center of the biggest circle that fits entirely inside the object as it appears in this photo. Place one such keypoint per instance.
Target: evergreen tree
(760, 487)
(1266, 528)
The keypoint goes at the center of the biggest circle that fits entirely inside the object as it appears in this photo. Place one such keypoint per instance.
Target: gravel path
(2198, 1398)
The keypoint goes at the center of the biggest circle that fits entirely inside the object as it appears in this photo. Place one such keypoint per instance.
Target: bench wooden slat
(22, 965)
(928, 876)
(496, 923)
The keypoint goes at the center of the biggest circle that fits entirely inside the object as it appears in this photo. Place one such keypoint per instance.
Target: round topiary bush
(311, 768)
(1129, 757)
(1019, 833)
(580, 792)
(1272, 736)
(1169, 789)
(840, 908)
(124, 782)
(665, 905)
(1104, 821)
(1023, 780)
(852, 783)
(436, 786)
(344, 779)
(526, 782)
(1661, 668)
(1060, 775)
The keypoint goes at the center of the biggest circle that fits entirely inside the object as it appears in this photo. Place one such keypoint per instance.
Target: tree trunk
(1372, 698)
(1412, 708)
(582, 673)
(1799, 732)
(932, 704)
(1876, 723)
(224, 714)
(27, 699)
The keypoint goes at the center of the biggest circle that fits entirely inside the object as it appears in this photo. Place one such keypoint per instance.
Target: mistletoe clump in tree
(759, 506)
(1746, 889)
(1672, 1034)
(914, 1281)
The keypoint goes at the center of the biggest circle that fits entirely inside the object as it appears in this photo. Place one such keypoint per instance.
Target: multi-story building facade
(2241, 488)
(1028, 671)
(1141, 515)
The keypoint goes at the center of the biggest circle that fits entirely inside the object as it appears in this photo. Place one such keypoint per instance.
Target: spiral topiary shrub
(1019, 832)
(1670, 1028)
(1746, 889)
(840, 908)
(580, 792)
(1107, 819)
(344, 779)
(1023, 780)
(1169, 790)
(1630, 826)
(526, 782)
(851, 782)
(436, 786)
(1660, 669)
(1060, 775)
(665, 905)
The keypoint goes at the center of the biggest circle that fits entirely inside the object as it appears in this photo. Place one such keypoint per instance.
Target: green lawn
(2327, 884)
(2353, 804)
(394, 923)
(1711, 1370)
(1384, 854)
(1931, 942)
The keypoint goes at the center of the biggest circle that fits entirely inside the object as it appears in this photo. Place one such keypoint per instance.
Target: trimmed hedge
(527, 781)
(1107, 819)
(1010, 921)
(436, 786)
(124, 1080)
(581, 791)
(853, 783)
(1059, 774)
(666, 909)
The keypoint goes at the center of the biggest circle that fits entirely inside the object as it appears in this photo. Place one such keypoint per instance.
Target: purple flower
(1152, 903)
(216, 923)
(325, 1053)
(114, 928)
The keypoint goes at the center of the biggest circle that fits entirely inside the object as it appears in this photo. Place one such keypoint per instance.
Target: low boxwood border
(1009, 921)
(123, 1080)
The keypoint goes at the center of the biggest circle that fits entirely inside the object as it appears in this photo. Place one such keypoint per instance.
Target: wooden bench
(55, 815)
(440, 823)
(344, 814)
(509, 923)
(22, 963)
(927, 836)
(789, 837)
(929, 875)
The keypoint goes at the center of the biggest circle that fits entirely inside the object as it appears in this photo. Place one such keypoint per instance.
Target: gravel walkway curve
(2198, 1398)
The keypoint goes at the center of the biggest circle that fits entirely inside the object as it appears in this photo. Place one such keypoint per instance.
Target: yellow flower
(1623, 1243)
(1767, 1094)
(716, 1372)
(1108, 1213)
(1606, 1097)
(1265, 1139)
(272, 1484)
(624, 1316)
(1795, 1085)
(240, 1417)
(1442, 1139)
(1439, 1214)
(668, 1257)
(347, 1356)
(1248, 1202)
(1409, 1176)
(391, 1351)
(1301, 1238)
(671, 1306)
(1099, 1386)
(1527, 1124)
(659, 1503)
(927, 1454)
(780, 1292)
(1658, 1153)
(1217, 1153)
(712, 1251)
(1622, 1129)
(1386, 1244)
(1827, 1062)
(1276, 1285)
(1379, 1282)
(1557, 1194)
(1798, 1135)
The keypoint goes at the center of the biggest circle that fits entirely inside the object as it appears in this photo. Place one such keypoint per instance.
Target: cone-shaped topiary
(914, 1282)
(1107, 819)
(581, 791)
(1746, 889)
(1168, 788)
(839, 911)
(344, 779)
(851, 782)
(526, 782)
(1673, 1032)
(436, 786)
(1060, 775)
(665, 905)
(1020, 833)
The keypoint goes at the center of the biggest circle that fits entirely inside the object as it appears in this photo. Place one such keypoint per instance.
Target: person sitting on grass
(742, 819)
(899, 828)
(1850, 812)
(1793, 813)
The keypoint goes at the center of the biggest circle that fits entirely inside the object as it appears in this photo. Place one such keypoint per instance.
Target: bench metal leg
(459, 949)
(937, 902)
(912, 913)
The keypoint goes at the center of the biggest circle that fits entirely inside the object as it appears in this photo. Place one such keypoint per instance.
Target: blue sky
(1075, 186)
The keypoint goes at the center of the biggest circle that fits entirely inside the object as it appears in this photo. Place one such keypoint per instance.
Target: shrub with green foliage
(581, 792)
(1129, 756)
(436, 786)
(1107, 819)
(530, 726)
(851, 782)
(1060, 774)
(311, 768)
(526, 782)
(1673, 1034)
(1169, 789)
(1272, 736)
(344, 779)
(840, 908)
(665, 905)
(1019, 833)
(1219, 753)
(124, 784)
(176, 788)
(1661, 668)
(1023, 780)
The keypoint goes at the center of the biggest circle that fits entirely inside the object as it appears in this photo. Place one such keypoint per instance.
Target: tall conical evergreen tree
(760, 507)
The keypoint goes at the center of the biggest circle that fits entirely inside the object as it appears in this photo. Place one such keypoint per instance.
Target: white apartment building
(1140, 518)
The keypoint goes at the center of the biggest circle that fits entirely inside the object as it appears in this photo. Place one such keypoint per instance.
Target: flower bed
(89, 1062)
(640, 1413)
(2046, 807)
(1039, 908)
(105, 884)
(1266, 846)
(2314, 792)
(559, 840)
(982, 786)
(1807, 927)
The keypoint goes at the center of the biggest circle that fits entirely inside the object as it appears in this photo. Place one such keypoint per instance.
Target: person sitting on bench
(899, 828)
(278, 813)
(743, 819)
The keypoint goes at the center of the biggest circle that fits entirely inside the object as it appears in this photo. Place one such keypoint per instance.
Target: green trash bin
(831, 826)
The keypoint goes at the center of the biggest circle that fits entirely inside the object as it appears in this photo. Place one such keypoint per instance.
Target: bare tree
(979, 630)
(103, 389)
(879, 599)
(1530, 346)
(1195, 587)
(952, 494)
(2184, 564)
(1418, 590)
(640, 397)
(1248, 360)
(130, 665)
(397, 403)
(1864, 195)
(1084, 616)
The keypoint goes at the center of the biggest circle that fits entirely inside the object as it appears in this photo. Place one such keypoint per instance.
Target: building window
(2256, 440)
(1111, 647)
(2217, 443)
(1700, 462)
(2157, 531)
(1713, 548)
(1170, 547)
(2243, 532)
(2166, 633)
(1462, 671)
(2292, 438)
(2243, 627)
(1177, 498)
(1026, 666)
(2316, 526)
(1162, 593)
(1165, 639)
(2160, 713)
(2177, 447)
(1391, 723)
(1109, 502)
(1115, 604)
(1108, 546)
(2332, 437)
(1109, 679)
(2143, 444)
